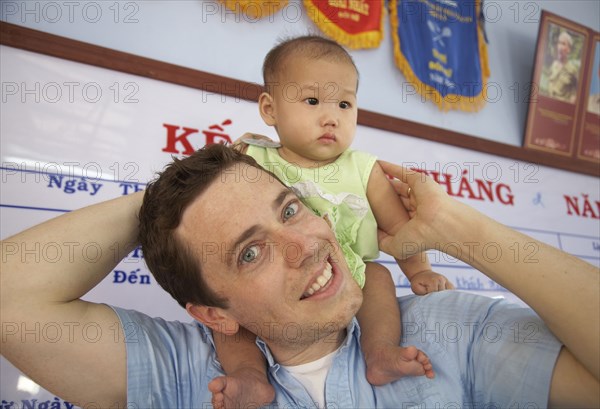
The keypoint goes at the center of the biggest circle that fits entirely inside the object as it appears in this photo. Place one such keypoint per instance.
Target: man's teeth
(321, 281)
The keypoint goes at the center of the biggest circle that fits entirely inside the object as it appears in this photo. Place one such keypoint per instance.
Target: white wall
(203, 35)
(114, 135)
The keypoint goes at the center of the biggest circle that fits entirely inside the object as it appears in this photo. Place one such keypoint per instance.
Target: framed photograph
(589, 128)
(557, 90)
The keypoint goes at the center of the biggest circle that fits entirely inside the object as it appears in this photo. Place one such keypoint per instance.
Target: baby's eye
(249, 254)
(312, 101)
(345, 105)
(290, 210)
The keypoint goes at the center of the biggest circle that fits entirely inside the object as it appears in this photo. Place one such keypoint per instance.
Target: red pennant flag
(353, 23)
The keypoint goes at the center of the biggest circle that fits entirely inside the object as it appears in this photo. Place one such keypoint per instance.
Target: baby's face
(315, 110)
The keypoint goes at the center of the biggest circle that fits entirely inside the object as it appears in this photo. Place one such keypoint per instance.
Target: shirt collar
(352, 331)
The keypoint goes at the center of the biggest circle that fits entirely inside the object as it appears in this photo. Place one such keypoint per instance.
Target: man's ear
(215, 318)
(267, 109)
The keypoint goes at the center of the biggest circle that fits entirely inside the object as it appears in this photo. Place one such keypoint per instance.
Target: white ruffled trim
(263, 143)
(357, 204)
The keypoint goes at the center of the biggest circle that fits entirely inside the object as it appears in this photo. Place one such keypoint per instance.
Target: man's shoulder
(136, 324)
(160, 353)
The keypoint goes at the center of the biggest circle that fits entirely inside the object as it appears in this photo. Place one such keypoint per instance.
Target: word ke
(214, 134)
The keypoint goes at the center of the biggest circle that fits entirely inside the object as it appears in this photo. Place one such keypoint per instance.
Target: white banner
(74, 134)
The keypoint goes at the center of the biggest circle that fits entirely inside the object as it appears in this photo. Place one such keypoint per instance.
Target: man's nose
(299, 247)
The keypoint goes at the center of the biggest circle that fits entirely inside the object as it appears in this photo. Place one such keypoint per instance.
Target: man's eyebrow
(250, 231)
(280, 198)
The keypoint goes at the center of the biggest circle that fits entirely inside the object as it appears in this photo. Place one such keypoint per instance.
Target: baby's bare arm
(391, 215)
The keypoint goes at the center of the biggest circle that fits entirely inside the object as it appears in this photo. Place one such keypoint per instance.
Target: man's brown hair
(170, 260)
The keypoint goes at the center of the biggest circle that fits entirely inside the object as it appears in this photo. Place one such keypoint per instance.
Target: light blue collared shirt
(486, 353)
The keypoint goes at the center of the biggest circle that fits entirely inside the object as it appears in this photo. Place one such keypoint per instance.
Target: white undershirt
(312, 376)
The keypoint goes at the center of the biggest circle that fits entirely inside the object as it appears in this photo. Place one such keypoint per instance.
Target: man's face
(263, 250)
(315, 110)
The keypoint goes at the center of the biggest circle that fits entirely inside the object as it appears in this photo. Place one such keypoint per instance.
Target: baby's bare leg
(245, 383)
(379, 319)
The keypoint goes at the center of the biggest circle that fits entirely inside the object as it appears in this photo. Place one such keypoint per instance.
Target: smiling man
(285, 254)
(237, 249)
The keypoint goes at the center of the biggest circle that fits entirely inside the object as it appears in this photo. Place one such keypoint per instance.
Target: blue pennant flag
(439, 46)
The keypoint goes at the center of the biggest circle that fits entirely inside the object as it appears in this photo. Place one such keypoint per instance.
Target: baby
(311, 85)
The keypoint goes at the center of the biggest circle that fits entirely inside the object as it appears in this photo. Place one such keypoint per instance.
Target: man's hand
(424, 200)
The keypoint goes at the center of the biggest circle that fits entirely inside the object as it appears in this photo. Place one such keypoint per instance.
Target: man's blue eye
(290, 210)
(249, 254)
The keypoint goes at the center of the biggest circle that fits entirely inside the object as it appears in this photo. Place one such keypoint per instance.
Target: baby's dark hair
(309, 46)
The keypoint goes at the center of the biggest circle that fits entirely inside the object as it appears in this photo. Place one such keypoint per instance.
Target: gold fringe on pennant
(450, 101)
(367, 39)
(255, 9)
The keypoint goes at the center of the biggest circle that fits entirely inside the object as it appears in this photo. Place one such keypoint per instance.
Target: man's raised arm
(562, 289)
(45, 270)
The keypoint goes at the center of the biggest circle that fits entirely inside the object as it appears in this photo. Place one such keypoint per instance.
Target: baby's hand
(427, 281)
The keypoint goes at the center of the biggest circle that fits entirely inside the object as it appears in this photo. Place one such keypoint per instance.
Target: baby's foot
(387, 363)
(245, 388)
